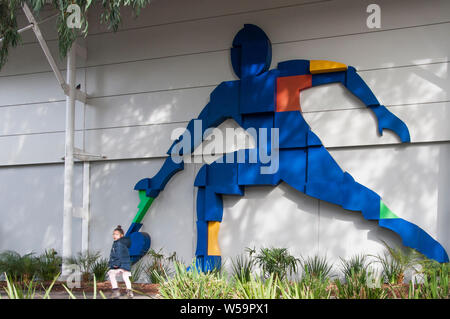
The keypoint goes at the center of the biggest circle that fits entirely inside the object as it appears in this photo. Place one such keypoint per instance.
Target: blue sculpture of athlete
(264, 98)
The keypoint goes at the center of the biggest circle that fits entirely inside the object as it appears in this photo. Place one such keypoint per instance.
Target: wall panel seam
(187, 121)
(330, 148)
(198, 19)
(226, 49)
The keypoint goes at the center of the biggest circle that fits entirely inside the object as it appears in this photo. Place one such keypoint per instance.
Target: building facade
(156, 73)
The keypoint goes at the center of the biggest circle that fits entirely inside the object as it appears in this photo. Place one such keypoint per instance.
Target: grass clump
(316, 267)
(194, 284)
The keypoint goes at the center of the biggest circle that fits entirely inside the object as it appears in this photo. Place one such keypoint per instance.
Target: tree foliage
(110, 16)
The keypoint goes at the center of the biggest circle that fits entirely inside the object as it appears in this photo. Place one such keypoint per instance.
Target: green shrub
(276, 261)
(357, 264)
(19, 268)
(435, 284)
(309, 287)
(158, 265)
(26, 290)
(317, 267)
(357, 287)
(49, 265)
(19, 290)
(258, 288)
(429, 267)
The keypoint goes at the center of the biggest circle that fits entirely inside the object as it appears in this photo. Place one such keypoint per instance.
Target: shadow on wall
(32, 205)
(283, 217)
(140, 125)
(263, 217)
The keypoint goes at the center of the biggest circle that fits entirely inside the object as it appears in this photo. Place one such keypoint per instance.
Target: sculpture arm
(328, 72)
(223, 104)
(185, 144)
(149, 189)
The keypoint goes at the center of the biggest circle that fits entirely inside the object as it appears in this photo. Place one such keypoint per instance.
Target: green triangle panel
(385, 212)
(143, 206)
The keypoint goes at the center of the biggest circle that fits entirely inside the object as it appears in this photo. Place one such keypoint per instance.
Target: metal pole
(86, 200)
(44, 46)
(68, 159)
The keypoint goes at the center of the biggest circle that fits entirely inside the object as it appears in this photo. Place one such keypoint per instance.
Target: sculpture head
(251, 53)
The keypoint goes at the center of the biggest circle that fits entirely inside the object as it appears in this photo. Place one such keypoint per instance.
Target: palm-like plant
(20, 268)
(277, 261)
(396, 261)
(85, 261)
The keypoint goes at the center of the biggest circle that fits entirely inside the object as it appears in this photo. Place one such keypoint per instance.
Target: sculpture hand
(387, 120)
(145, 184)
(156, 184)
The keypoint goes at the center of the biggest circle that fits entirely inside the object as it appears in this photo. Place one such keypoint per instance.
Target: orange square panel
(288, 91)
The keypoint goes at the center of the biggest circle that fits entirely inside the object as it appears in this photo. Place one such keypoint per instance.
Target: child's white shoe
(115, 294)
(130, 294)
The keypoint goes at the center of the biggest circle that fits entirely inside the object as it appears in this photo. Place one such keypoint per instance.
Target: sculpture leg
(312, 171)
(326, 181)
(207, 254)
(212, 181)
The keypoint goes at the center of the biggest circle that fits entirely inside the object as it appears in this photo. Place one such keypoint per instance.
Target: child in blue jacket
(119, 262)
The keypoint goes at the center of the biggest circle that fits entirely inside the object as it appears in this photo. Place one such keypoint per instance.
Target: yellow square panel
(323, 66)
(213, 239)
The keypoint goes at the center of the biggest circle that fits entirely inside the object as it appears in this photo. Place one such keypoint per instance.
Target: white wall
(157, 72)
(31, 204)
